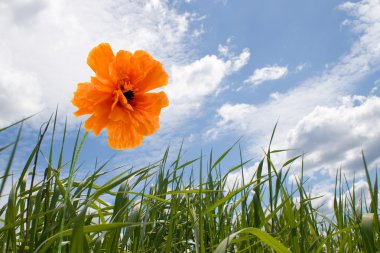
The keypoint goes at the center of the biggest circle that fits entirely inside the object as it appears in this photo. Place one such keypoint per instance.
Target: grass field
(159, 209)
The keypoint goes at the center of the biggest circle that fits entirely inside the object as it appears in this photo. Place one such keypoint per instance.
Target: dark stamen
(129, 95)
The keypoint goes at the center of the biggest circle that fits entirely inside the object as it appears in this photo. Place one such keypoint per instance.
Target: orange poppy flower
(117, 95)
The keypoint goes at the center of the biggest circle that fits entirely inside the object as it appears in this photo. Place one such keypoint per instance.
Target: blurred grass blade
(6, 146)
(10, 161)
(16, 123)
(262, 235)
(367, 230)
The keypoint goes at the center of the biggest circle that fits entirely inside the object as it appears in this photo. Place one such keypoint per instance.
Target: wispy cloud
(300, 67)
(269, 73)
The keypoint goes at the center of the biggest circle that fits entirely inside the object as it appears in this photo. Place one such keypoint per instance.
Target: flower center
(127, 88)
(129, 95)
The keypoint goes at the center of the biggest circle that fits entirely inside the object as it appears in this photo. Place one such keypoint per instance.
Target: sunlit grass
(172, 206)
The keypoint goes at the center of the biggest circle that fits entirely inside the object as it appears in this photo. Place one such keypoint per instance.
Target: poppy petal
(103, 84)
(122, 135)
(96, 123)
(120, 113)
(121, 67)
(81, 101)
(99, 59)
(152, 102)
(147, 108)
(86, 97)
(154, 75)
(100, 117)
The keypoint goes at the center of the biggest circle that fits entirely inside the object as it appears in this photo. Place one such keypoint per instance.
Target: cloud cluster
(334, 137)
(256, 121)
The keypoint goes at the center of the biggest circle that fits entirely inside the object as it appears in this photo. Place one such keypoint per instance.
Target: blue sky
(235, 67)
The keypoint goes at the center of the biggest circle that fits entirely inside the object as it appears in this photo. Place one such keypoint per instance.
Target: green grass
(172, 206)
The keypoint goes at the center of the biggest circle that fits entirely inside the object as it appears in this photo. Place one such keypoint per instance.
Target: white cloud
(44, 45)
(275, 95)
(375, 87)
(269, 73)
(300, 67)
(236, 113)
(20, 94)
(237, 62)
(223, 49)
(335, 136)
(197, 79)
(193, 82)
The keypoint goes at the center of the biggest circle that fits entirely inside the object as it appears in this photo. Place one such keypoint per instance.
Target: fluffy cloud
(20, 94)
(334, 137)
(232, 115)
(193, 82)
(267, 74)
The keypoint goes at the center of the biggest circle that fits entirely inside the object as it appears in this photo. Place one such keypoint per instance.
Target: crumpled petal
(147, 108)
(100, 118)
(121, 67)
(104, 85)
(122, 135)
(154, 75)
(99, 60)
(86, 97)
